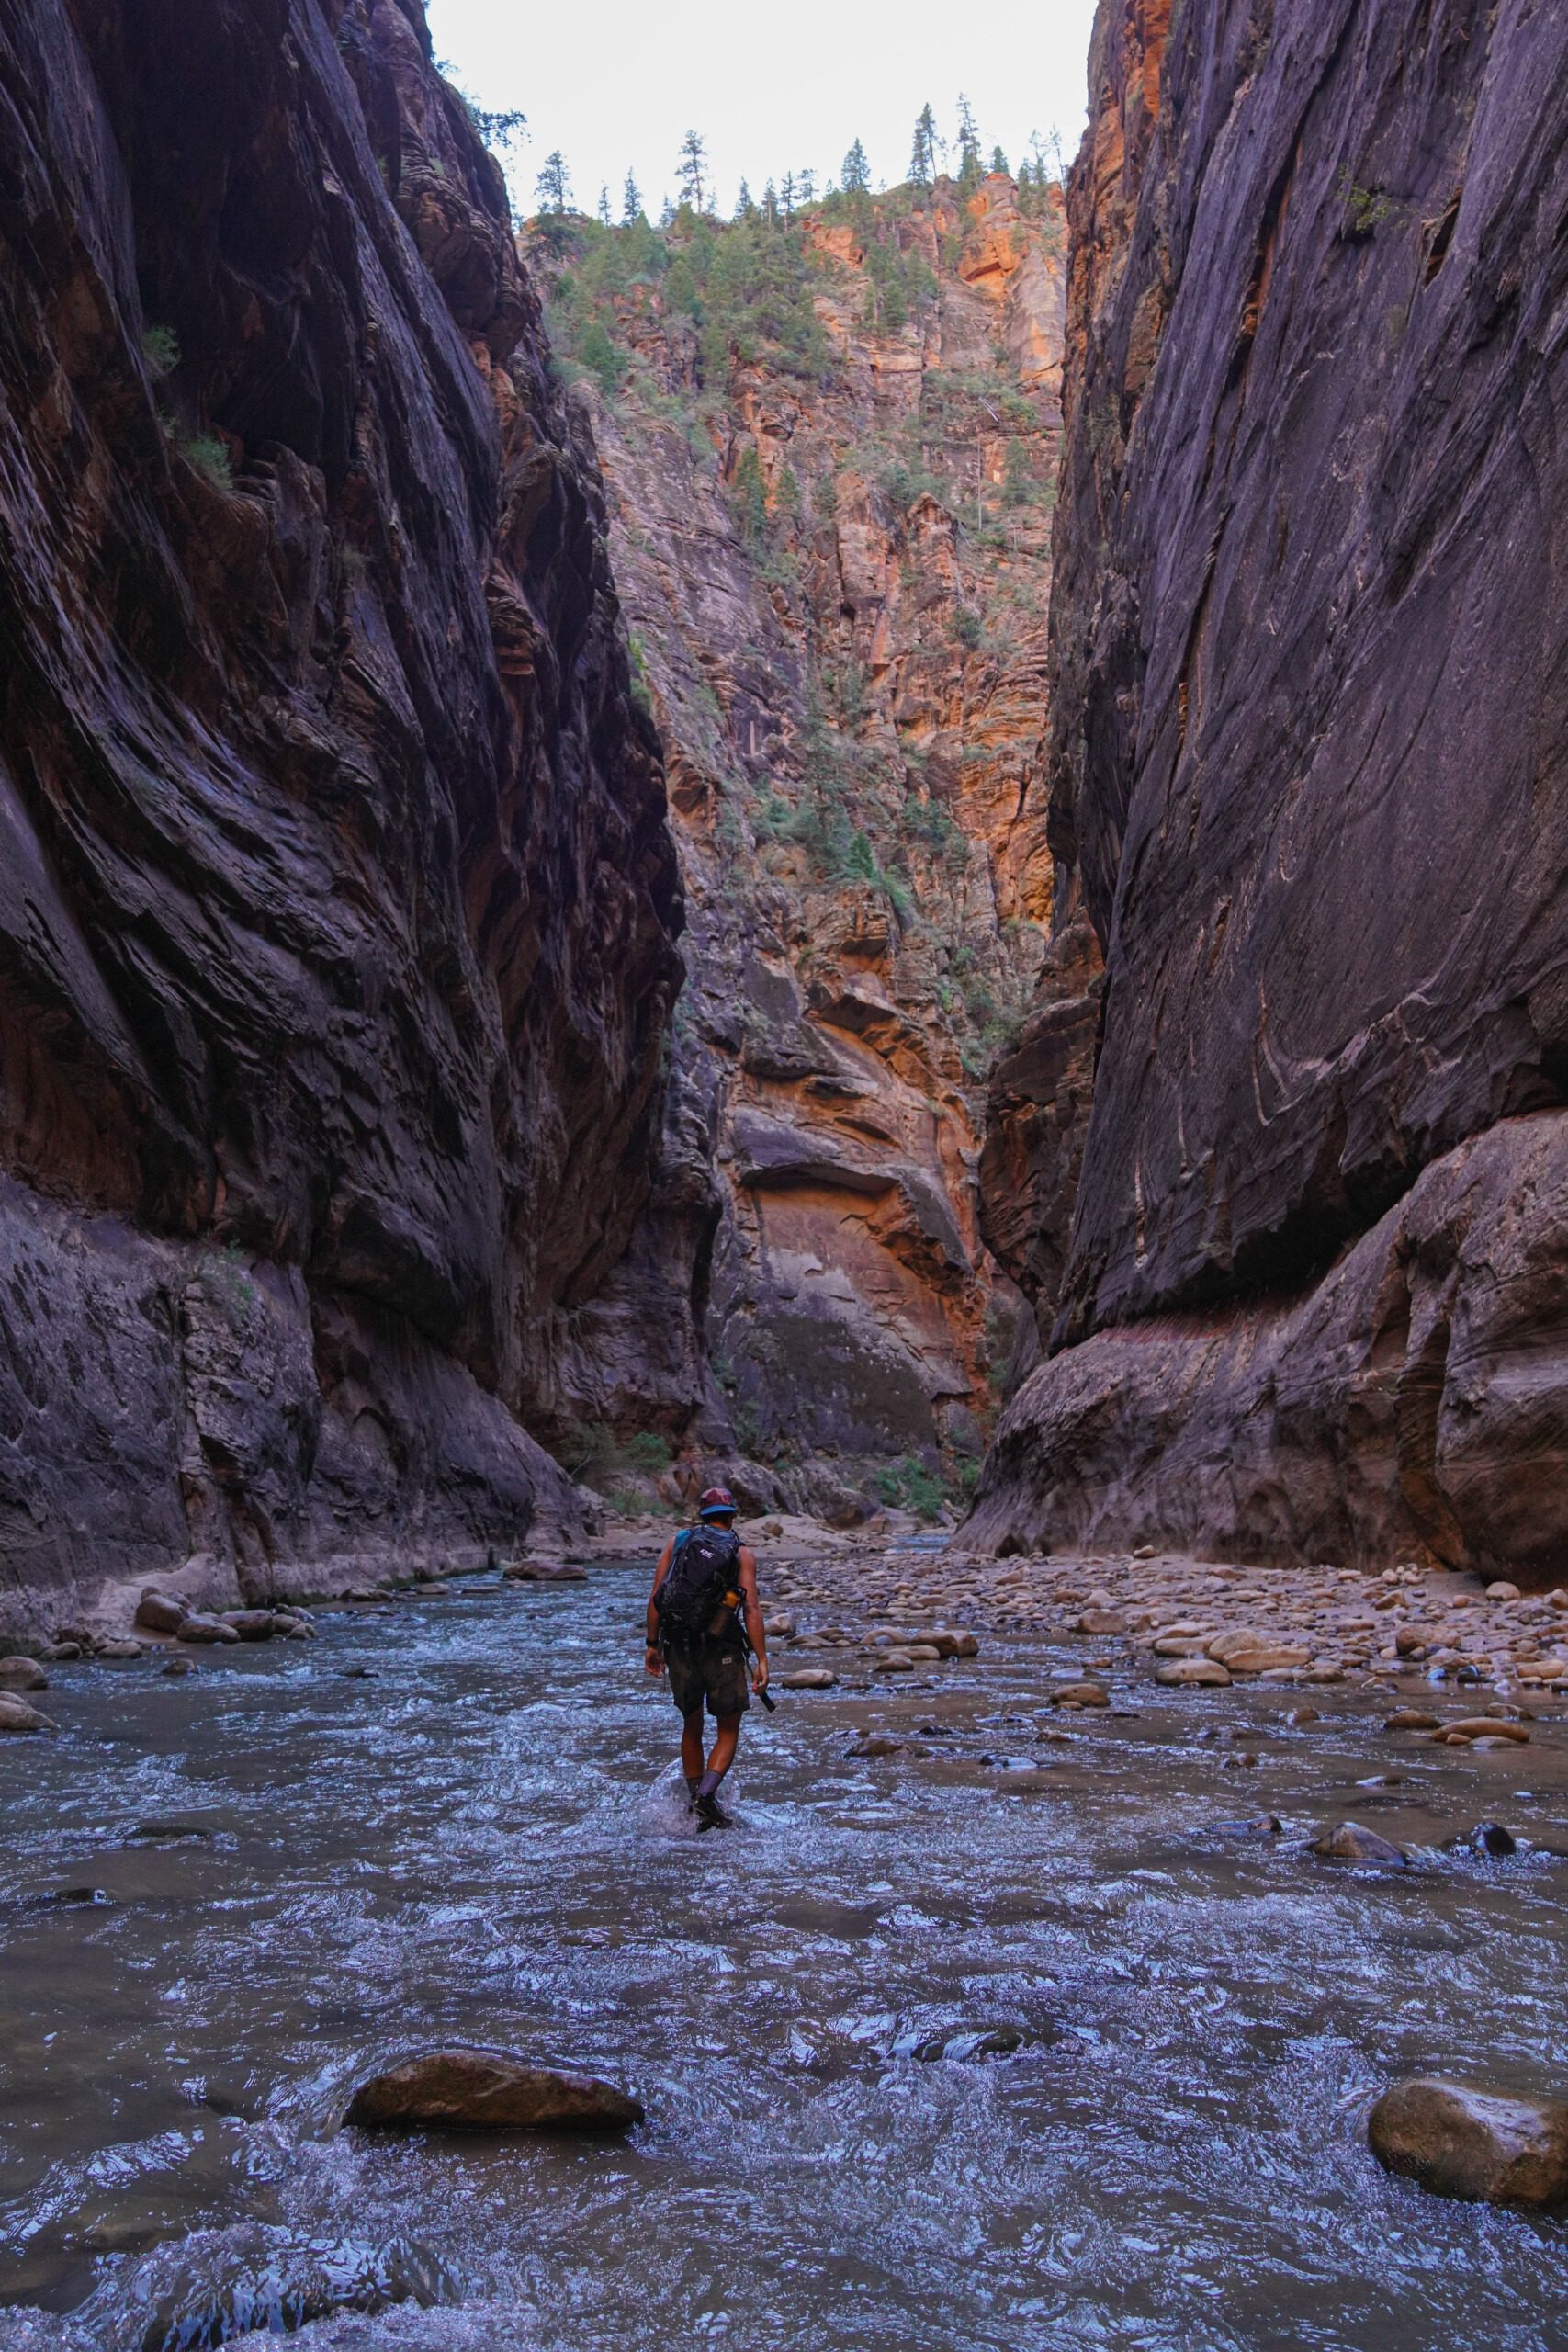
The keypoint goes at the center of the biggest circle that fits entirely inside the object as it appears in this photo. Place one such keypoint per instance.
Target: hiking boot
(711, 1814)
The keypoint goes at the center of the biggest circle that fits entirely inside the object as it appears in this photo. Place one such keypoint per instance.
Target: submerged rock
(1080, 1694)
(29, 2330)
(1460, 2140)
(261, 2285)
(488, 2090)
(1492, 1838)
(963, 2044)
(1411, 1719)
(1351, 1841)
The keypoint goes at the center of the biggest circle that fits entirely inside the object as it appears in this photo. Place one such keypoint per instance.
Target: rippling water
(224, 1895)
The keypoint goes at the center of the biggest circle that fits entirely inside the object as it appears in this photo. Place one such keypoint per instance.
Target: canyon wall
(1309, 802)
(829, 499)
(338, 909)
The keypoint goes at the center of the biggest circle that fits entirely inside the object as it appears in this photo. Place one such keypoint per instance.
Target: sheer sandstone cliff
(834, 562)
(1309, 780)
(338, 909)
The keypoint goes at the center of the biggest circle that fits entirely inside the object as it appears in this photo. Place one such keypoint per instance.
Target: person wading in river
(703, 1615)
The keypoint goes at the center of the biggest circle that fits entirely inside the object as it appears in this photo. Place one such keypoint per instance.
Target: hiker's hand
(653, 1662)
(759, 1675)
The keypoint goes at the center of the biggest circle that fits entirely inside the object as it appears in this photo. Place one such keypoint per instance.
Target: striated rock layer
(1310, 787)
(834, 562)
(337, 908)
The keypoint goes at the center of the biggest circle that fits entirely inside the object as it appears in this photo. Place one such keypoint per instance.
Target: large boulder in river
(1464, 2141)
(457, 2088)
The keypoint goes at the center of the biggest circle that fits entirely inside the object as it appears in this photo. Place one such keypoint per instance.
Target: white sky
(769, 90)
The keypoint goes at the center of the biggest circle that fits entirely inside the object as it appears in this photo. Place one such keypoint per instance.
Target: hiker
(702, 1616)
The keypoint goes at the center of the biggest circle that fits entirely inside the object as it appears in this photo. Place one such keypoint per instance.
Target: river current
(1004, 2042)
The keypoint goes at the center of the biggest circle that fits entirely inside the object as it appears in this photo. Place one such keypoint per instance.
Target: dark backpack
(704, 1570)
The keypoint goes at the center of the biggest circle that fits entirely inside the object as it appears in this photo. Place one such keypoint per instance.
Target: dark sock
(708, 1785)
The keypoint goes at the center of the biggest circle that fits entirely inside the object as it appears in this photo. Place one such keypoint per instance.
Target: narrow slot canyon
(849, 884)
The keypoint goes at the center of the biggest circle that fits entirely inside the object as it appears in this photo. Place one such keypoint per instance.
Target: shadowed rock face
(1410, 1403)
(336, 908)
(1309, 758)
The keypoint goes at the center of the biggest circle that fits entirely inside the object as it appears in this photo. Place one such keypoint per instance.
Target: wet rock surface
(1462, 2140)
(1352, 1841)
(487, 2090)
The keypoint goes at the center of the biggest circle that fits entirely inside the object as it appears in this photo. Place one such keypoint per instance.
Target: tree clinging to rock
(691, 171)
(922, 157)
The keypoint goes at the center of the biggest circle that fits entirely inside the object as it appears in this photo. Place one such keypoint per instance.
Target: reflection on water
(991, 2042)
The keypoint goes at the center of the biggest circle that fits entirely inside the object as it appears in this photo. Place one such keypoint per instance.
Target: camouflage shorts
(715, 1671)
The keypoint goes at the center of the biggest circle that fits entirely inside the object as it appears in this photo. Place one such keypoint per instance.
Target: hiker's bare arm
(753, 1607)
(651, 1658)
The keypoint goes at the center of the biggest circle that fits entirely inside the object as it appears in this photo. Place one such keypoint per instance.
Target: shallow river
(224, 1894)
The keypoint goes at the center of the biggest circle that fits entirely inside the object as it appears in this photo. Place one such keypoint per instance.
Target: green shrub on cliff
(599, 356)
(209, 456)
(748, 496)
(160, 350)
(592, 1452)
(908, 1485)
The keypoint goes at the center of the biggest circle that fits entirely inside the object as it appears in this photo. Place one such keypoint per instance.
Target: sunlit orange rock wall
(831, 1060)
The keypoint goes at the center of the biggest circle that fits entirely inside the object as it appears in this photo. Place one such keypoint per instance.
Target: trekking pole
(765, 1694)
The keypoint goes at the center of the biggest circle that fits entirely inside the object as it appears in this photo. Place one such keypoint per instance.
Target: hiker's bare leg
(722, 1755)
(692, 1743)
